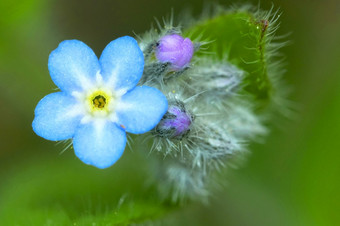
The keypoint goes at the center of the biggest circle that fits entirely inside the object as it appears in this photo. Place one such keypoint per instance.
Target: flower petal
(122, 63)
(141, 109)
(73, 66)
(57, 116)
(99, 143)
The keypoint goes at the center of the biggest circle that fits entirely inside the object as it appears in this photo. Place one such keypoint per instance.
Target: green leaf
(239, 37)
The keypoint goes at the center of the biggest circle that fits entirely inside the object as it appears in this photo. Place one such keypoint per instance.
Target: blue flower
(99, 100)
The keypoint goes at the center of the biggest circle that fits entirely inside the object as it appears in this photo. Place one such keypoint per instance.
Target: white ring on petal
(122, 63)
(141, 109)
(99, 143)
(73, 66)
(57, 116)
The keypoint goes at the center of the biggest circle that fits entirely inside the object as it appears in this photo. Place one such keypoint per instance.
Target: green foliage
(66, 192)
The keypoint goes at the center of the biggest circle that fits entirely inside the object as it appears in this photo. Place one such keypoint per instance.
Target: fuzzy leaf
(240, 38)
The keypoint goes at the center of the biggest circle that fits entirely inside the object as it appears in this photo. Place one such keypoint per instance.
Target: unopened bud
(176, 50)
(175, 123)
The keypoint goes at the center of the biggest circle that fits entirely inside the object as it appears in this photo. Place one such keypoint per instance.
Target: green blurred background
(291, 179)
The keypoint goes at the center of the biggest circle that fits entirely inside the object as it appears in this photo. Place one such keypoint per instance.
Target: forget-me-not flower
(99, 100)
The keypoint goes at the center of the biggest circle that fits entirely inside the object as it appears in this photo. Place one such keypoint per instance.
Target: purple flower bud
(176, 50)
(175, 123)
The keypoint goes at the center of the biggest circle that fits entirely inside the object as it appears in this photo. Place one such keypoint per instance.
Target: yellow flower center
(99, 101)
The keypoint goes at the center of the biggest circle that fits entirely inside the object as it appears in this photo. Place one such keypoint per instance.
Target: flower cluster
(206, 124)
(192, 106)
